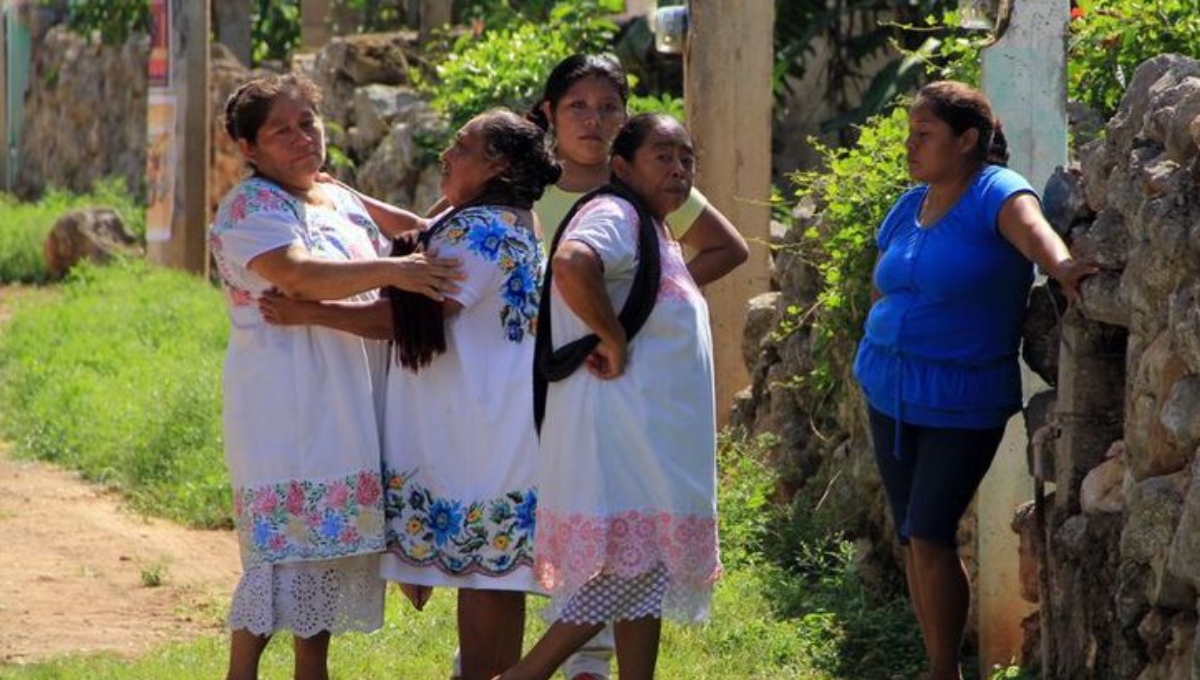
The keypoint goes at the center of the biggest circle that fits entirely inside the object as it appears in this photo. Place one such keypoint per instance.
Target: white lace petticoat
(338, 596)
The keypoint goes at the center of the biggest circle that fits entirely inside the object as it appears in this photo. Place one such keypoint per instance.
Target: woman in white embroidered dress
(461, 455)
(301, 438)
(626, 523)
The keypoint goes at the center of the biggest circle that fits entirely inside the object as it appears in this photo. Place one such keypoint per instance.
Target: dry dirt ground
(74, 567)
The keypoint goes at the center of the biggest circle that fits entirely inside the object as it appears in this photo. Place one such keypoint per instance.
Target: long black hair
(572, 70)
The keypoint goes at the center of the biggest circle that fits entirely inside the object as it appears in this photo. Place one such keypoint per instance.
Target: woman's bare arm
(717, 246)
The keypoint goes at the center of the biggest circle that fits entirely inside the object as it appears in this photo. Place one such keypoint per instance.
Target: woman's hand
(427, 274)
(279, 310)
(1070, 273)
(608, 360)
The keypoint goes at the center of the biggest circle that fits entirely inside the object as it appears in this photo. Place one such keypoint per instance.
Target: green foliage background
(1109, 38)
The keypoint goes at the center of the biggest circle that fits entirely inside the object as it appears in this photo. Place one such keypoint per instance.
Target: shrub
(1110, 38)
(24, 226)
(853, 193)
(507, 66)
(119, 377)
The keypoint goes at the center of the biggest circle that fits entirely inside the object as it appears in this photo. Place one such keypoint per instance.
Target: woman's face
(662, 169)
(585, 120)
(466, 167)
(290, 146)
(935, 153)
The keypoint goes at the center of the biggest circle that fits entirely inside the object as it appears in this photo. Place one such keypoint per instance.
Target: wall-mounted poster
(160, 44)
(160, 166)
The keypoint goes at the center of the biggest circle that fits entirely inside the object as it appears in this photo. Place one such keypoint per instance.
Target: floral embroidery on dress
(309, 519)
(496, 236)
(677, 283)
(491, 537)
(573, 548)
(323, 231)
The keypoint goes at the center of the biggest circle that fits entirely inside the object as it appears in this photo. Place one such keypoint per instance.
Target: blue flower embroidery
(489, 536)
(331, 526)
(526, 511)
(487, 238)
(262, 532)
(445, 518)
(497, 237)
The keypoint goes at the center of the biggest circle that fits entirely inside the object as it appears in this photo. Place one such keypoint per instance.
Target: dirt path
(75, 567)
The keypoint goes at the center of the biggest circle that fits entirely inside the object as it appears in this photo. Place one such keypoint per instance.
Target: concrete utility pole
(728, 60)
(232, 19)
(1024, 77)
(315, 28)
(178, 135)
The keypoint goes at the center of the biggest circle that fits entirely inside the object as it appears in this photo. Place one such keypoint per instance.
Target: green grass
(743, 641)
(118, 376)
(24, 226)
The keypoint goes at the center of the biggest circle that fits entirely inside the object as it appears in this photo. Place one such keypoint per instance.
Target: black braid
(551, 365)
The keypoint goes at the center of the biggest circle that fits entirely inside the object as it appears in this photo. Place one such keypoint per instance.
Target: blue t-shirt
(941, 343)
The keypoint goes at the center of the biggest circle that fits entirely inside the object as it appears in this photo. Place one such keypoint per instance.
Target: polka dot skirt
(611, 598)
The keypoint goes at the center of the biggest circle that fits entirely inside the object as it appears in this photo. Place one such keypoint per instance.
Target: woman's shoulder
(499, 215)
(1002, 179)
(610, 205)
(254, 197)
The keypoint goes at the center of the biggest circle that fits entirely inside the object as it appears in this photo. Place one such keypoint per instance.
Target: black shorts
(933, 479)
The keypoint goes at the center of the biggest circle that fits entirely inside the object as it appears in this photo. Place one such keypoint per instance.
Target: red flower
(368, 489)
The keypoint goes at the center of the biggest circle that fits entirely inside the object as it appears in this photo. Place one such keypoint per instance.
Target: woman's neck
(311, 194)
(578, 178)
(942, 195)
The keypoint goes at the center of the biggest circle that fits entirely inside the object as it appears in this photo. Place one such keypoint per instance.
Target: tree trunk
(232, 24)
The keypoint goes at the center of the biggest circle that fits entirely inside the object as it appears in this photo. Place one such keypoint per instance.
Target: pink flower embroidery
(368, 490)
(295, 498)
(265, 501)
(338, 495)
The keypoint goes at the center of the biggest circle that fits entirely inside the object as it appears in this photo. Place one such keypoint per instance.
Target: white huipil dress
(460, 457)
(301, 437)
(628, 466)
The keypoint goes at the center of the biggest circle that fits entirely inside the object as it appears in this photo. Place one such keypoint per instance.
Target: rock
(1103, 299)
(377, 107)
(96, 234)
(1103, 490)
(1041, 331)
(1063, 201)
(1152, 451)
(1184, 322)
(1180, 415)
(1154, 509)
(369, 58)
(761, 313)
(1096, 163)
(1105, 240)
(1183, 560)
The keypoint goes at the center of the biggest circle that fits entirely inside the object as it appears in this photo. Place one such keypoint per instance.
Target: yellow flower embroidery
(500, 542)
(414, 526)
(296, 530)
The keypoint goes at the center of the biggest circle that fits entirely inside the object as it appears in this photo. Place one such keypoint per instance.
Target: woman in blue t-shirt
(938, 362)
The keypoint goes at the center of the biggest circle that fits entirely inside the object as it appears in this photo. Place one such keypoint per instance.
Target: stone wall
(86, 116)
(1115, 559)
(1122, 540)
